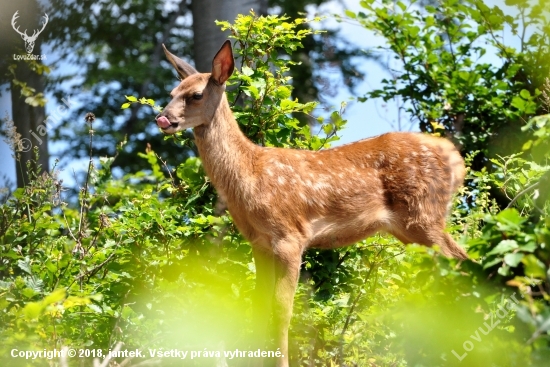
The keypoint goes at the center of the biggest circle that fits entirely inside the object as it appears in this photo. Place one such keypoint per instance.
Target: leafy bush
(145, 260)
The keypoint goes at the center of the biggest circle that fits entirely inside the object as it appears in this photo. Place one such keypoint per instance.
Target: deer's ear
(183, 68)
(223, 63)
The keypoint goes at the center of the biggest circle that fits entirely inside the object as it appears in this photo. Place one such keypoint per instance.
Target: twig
(94, 271)
(355, 301)
(90, 118)
(167, 169)
(521, 193)
(244, 60)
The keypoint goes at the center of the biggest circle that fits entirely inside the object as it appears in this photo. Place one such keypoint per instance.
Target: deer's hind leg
(429, 235)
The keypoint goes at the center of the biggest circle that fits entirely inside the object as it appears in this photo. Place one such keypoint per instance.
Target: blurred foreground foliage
(145, 261)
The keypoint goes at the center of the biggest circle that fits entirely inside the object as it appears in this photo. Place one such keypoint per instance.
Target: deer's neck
(227, 155)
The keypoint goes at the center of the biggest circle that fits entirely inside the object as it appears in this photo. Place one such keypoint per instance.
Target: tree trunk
(26, 118)
(29, 122)
(207, 36)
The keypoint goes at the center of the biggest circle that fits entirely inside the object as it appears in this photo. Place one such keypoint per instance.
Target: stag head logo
(29, 40)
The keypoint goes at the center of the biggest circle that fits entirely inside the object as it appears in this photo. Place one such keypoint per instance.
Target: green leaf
(518, 103)
(55, 296)
(126, 312)
(19, 193)
(247, 71)
(29, 292)
(464, 75)
(25, 265)
(131, 98)
(513, 259)
(503, 247)
(125, 105)
(493, 262)
(350, 14)
(95, 308)
(504, 270)
(32, 310)
(534, 267)
(431, 9)
(528, 247)
(525, 94)
(283, 92)
(328, 128)
(510, 216)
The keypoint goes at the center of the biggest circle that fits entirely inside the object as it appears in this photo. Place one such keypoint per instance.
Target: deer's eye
(197, 96)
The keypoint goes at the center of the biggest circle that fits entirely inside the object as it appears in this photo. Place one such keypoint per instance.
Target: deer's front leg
(287, 269)
(263, 298)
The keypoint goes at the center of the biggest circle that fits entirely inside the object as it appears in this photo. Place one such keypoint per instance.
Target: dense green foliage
(144, 260)
(462, 71)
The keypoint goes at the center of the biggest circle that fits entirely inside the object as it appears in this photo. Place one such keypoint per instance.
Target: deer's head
(29, 40)
(198, 96)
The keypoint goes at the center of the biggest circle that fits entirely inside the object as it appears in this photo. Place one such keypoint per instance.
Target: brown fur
(285, 201)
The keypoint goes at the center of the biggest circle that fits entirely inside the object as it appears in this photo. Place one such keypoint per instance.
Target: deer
(285, 201)
(29, 40)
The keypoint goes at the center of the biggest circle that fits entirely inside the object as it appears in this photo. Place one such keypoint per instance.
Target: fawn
(286, 200)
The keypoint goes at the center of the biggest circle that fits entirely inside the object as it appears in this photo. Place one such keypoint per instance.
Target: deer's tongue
(163, 122)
